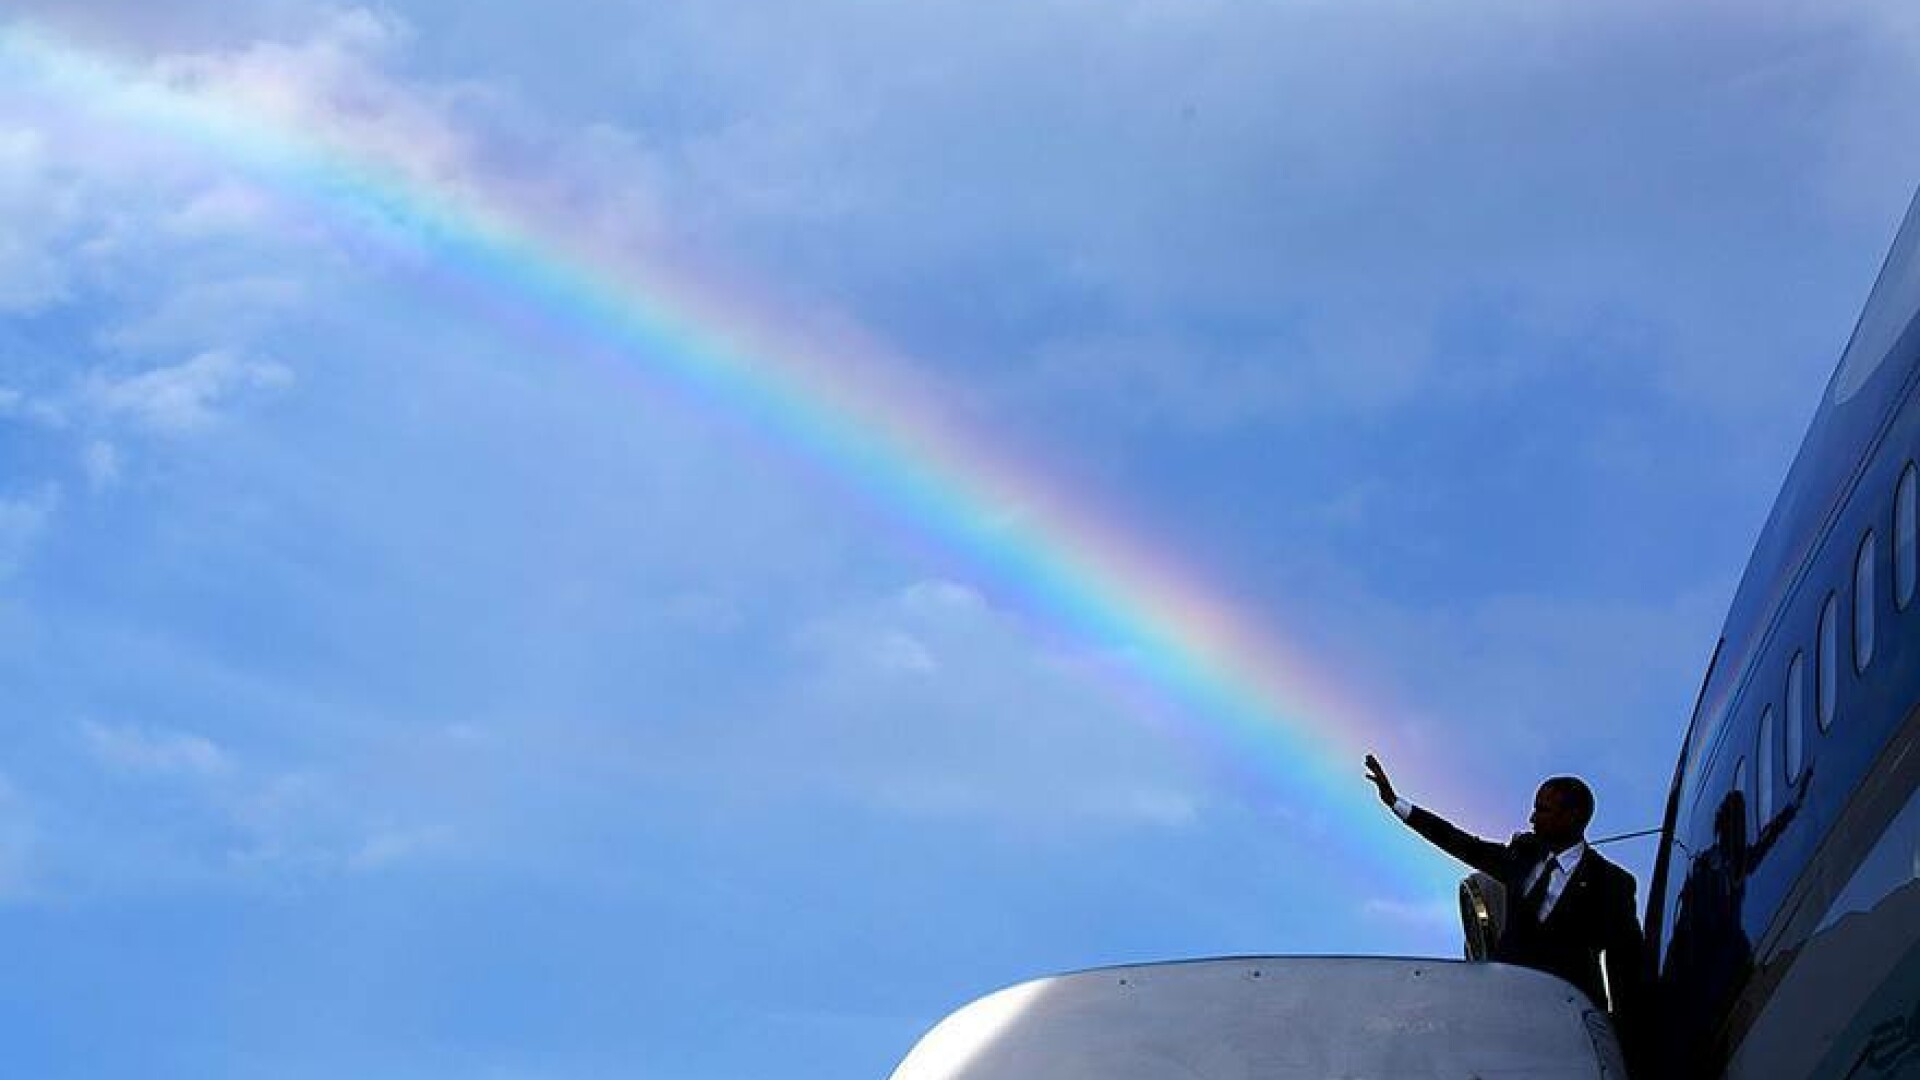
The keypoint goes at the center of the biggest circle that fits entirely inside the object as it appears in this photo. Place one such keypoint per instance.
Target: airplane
(1783, 914)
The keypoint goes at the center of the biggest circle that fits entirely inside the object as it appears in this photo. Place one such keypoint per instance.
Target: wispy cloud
(932, 703)
(100, 460)
(34, 270)
(23, 520)
(231, 824)
(184, 396)
(155, 751)
(390, 847)
(1424, 914)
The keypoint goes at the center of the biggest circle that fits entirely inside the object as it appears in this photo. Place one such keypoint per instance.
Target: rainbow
(1260, 706)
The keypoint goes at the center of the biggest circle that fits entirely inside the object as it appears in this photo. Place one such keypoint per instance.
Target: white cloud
(928, 702)
(31, 409)
(1436, 914)
(226, 208)
(101, 463)
(330, 86)
(899, 651)
(299, 827)
(240, 827)
(389, 847)
(463, 733)
(228, 305)
(937, 597)
(899, 635)
(181, 250)
(40, 209)
(867, 647)
(185, 396)
(155, 751)
(22, 522)
(466, 140)
(1160, 806)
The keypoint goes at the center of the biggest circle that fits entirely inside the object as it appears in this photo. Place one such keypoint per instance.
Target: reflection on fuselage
(1845, 1006)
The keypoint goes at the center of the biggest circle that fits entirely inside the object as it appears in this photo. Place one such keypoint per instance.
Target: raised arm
(1483, 855)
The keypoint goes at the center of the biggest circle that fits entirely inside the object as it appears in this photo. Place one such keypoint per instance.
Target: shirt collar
(1569, 857)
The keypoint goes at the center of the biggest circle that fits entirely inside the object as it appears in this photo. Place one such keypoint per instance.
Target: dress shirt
(1561, 865)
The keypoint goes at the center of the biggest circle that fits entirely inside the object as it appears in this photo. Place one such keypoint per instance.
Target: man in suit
(1570, 912)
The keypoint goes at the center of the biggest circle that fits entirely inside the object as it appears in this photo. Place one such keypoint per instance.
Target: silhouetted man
(1569, 910)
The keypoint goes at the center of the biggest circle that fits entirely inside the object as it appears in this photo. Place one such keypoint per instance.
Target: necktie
(1537, 893)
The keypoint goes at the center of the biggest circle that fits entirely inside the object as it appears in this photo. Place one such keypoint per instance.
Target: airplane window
(1763, 769)
(1796, 718)
(1829, 658)
(1740, 786)
(1906, 523)
(1863, 604)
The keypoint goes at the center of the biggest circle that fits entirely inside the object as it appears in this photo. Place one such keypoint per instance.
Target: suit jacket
(1592, 923)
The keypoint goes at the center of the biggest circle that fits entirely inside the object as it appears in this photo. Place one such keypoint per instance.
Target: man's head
(1561, 810)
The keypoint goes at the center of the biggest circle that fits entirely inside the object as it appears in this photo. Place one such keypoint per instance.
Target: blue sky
(390, 696)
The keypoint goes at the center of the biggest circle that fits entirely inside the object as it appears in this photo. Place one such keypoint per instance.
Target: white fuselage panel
(1276, 1018)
